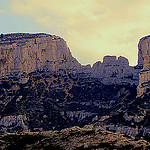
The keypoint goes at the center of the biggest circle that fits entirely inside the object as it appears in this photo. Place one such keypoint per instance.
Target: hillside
(58, 100)
(43, 87)
(74, 138)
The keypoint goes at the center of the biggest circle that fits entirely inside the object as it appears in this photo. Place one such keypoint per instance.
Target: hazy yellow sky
(92, 28)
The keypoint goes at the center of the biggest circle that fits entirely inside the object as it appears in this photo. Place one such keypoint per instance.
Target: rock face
(113, 70)
(71, 139)
(26, 53)
(22, 53)
(13, 123)
(144, 59)
(58, 100)
(142, 48)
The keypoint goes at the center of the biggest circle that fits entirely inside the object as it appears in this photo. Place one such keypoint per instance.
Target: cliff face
(30, 52)
(115, 70)
(144, 60)
(143, 46)
(57, 100)
(22, 53)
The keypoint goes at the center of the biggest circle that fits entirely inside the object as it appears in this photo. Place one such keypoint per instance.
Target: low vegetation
(74, 138)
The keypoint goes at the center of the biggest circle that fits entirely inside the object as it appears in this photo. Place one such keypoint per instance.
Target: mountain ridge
(23, 53)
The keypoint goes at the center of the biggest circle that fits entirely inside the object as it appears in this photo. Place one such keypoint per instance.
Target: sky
(92, 28)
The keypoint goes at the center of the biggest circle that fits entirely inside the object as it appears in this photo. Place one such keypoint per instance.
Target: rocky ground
(74, 138)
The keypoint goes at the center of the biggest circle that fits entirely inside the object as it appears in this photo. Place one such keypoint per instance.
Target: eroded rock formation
(26, 53)
(13, 123)
(144, 59)
(115, 70)
(142, 48)
(22, 53)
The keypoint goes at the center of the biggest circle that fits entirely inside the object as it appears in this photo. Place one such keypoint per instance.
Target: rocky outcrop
(135, 118)
(142, 48)
(78, 115)
(128, 130)
(25, 53)
(113, 70)
(123, 129)
(13, 124)
(144, 59)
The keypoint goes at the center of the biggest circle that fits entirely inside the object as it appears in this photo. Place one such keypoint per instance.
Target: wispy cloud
(2, 10)
(93, 28)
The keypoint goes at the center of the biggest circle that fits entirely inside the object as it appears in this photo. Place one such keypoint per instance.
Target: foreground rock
(72, 139)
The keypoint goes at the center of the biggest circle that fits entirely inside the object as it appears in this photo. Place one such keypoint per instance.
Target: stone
(11, 122)
(26, 53)
(142, 48)
(144, 59)
(115, 70)
(23, 53)
(110, 60)
(78, 115)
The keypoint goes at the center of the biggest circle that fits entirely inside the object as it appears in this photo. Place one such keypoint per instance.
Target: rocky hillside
(42, 87)
(73, 139)
(57, 100)
(130, 117)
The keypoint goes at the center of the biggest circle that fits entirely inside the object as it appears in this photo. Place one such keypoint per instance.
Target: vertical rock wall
(21, 53)
(115, 70)
(144, 60)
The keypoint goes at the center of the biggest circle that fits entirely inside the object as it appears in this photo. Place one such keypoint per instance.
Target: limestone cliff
(115, 70)
(142, 48)
(25, 53)
(144, 60)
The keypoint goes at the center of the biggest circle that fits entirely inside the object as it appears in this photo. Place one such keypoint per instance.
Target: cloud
(2, 10)
(93, 28)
